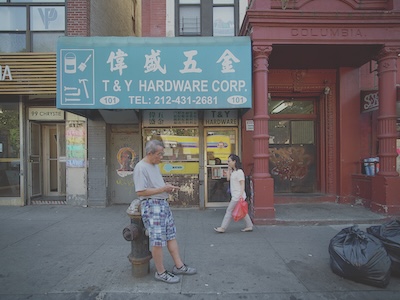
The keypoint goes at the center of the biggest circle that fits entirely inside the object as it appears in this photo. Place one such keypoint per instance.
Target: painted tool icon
(83, 65)
(70, 63)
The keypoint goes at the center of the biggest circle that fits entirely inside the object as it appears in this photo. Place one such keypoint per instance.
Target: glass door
(61, 159)
(180, 163)
(220, 142)
(35, 178)
(54, 170)
(293, 145)
(9, 150)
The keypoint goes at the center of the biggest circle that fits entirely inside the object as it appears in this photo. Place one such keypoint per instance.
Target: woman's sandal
(219, 229)
(247, 229)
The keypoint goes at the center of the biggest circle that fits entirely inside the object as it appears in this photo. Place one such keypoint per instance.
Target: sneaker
(184, 270)
(247, 229)
(167, 277)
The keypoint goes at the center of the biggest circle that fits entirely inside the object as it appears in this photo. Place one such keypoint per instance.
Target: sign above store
(6, 74)
(220, 118)
(45, 114)
(162, 118)
(369, 101)
(153, 73)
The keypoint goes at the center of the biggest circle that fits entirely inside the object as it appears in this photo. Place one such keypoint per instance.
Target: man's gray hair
(152, 146)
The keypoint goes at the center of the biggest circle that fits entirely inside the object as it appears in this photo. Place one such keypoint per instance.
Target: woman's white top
(236, 177)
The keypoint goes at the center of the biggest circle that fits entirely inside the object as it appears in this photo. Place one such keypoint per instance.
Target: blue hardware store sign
(153, 73)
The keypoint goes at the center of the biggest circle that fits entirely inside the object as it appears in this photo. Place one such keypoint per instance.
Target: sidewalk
(62, 252)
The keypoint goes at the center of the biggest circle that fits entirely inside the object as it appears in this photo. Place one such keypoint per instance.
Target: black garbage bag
(389, 234)
(359, 256)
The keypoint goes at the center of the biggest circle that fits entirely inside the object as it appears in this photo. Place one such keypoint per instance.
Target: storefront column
(386, 184)
(263, 183)
(387, 71)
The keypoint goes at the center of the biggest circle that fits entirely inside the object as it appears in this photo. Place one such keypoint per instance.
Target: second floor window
(224, 18)
(189, 17)
(31, 26)
(207, 17)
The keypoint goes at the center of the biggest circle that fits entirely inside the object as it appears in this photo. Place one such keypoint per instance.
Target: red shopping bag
(240, 211)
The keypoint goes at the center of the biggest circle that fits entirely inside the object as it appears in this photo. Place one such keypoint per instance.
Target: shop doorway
(294, 145)
(125, 153)
(47, 163)
(219, 143)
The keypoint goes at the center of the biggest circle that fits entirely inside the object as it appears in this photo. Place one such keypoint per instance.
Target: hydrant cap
(129, 233)
(134, 207)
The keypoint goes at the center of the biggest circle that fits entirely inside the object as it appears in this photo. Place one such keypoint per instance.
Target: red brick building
(319, 69)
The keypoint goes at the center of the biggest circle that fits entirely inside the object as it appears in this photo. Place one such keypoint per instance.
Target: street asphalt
(62, 252)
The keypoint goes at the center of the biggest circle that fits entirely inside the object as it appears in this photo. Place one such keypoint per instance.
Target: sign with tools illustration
(153, 73)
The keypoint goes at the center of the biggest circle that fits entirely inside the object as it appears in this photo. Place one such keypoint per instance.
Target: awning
(154, 73)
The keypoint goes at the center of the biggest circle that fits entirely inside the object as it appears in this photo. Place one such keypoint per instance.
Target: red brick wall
(154, 18)
(78, 17)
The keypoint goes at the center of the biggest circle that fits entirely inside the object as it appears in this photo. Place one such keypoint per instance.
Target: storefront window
(9, 149)
(181, 144)
(180, 159)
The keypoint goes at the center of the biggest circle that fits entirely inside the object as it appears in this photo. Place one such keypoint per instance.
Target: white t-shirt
(147, 176)
(236, 177)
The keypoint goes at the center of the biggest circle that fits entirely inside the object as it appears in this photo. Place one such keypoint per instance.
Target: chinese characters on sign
(162, 118)
(154, 73)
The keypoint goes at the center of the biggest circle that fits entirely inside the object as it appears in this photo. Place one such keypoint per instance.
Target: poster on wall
(127, 160)
(76, 144)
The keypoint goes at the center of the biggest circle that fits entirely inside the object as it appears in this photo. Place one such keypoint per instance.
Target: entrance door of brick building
(294, 145)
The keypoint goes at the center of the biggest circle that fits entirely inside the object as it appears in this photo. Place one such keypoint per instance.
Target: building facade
(84, 156)
(196, 138)
(322, 124)
(35, 136)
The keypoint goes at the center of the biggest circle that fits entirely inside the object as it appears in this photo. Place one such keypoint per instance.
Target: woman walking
(236, 178)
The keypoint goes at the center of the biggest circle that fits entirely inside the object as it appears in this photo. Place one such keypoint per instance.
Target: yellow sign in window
(179, 168)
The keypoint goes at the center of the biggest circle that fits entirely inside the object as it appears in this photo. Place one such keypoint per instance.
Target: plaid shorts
(158, 220)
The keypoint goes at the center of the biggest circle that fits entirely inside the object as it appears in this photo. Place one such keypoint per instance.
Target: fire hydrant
(136, 234)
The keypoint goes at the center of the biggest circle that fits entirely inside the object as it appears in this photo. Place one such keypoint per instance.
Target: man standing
(156, 214)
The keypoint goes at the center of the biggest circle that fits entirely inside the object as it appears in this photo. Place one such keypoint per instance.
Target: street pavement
(62, 252)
